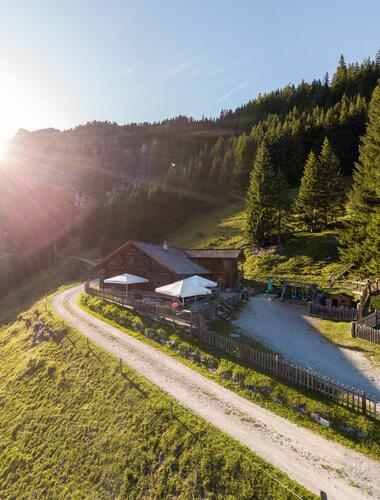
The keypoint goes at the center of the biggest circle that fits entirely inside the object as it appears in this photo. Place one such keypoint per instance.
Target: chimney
(166, 248)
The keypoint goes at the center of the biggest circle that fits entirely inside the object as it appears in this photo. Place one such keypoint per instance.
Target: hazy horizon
(65, 65)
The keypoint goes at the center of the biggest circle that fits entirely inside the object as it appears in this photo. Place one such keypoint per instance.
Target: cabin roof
(341, 295)
(173, 259)
(214, 253)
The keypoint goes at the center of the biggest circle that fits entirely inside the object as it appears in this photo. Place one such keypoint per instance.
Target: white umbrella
(183, 288)
(203, 281)
(125, 279)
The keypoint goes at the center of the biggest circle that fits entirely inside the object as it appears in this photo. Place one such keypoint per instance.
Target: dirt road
(318, 464)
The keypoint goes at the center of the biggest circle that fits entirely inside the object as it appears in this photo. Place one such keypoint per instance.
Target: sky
(63, 63)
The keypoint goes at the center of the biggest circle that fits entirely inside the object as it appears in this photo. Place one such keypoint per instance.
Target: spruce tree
(339, 78)
(245, 152)
(311, 201)
(260, 202)
(334, 181)
(360, 240)
(281, 202)
(377, 58)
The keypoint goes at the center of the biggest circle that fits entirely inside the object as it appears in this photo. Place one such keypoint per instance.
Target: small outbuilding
(340, 300)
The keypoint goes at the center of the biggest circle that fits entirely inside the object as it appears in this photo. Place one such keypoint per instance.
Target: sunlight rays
(21, 105)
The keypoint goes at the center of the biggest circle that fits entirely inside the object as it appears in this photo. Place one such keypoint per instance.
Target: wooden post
(364, 402)
(171, 408)
(120, 366)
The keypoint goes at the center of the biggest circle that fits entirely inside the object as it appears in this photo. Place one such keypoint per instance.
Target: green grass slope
(37, 286)
(221, 227)
(32, 288)
(72, 425)
(311, 256)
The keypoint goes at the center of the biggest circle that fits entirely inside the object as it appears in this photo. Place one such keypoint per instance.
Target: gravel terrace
(285, 328)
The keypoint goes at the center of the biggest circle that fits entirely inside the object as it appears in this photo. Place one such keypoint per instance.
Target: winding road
(311, 460)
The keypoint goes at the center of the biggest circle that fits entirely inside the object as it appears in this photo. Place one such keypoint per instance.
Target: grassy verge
(347, 427)
(339, 333)
(75, 425)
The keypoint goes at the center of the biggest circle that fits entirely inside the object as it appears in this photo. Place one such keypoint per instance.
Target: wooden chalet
(161, 264)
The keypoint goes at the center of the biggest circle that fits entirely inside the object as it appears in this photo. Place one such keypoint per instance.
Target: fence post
(353, 329)
(364, 402)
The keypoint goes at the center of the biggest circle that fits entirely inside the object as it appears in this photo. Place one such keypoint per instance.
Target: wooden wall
(134, 261)
(224, 271)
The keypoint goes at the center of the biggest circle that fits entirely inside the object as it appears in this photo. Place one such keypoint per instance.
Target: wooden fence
(154, 310)
(266, 362)
(293, 374)
(367, 328)
(334, 313)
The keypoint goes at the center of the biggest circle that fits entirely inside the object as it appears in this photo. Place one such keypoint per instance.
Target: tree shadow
(314, 246)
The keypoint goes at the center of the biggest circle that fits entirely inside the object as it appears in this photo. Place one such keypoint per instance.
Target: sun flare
(21, 106)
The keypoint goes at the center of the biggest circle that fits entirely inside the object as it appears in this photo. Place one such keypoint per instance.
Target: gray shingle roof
(214, 253)
(174, 259)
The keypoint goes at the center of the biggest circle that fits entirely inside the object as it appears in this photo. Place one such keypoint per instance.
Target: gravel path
(285, 328)
(305, 457)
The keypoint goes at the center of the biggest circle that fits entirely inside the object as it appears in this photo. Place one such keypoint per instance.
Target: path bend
(311, 460)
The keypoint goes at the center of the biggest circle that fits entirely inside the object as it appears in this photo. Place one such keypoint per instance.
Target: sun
(21, 106)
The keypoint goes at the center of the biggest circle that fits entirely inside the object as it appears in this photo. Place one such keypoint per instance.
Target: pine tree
(339, 78)
(225, 176)
(334, 181)
(311, 201)
(260, 207)
(360, 240)
(281, 202)
(377, 58)
(245, 152)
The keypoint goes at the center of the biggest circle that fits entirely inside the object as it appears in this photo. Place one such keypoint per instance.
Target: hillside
(107, 183)
(73, 426)
(222, 227)
(312, 256)
(35, 286)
